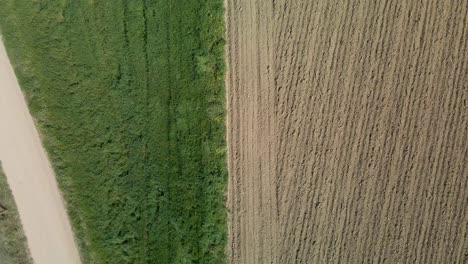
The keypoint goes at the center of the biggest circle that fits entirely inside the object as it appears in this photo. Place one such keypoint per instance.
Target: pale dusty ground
(347, 131)
(31, 178)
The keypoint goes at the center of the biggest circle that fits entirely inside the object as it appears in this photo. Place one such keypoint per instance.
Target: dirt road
(347, 131)
(31, 178)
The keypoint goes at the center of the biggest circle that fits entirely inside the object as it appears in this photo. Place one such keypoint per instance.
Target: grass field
(13, 246)
(129, 97)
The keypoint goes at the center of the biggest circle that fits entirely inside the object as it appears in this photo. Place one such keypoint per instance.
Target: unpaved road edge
(31, 177)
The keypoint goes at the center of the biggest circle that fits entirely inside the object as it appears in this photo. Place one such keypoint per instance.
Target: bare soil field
(347, 131)
(31, 177)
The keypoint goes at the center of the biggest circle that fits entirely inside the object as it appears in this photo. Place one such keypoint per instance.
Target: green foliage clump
(13, 246)
(129, 97)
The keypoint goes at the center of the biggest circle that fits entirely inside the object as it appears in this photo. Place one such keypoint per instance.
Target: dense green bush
(129, 98)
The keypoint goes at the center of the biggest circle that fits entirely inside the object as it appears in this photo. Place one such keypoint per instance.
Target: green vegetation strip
(13, 246)
(129, 97)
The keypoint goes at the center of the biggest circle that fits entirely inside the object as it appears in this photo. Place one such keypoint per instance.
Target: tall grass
(129, 98)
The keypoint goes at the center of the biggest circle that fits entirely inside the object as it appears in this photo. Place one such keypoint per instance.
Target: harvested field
(347, 131)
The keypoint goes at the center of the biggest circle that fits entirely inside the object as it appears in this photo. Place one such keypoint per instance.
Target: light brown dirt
(347, 131)
(31, 178)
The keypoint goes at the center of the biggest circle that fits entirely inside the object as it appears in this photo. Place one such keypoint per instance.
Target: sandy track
(347, 131)
(31, 178)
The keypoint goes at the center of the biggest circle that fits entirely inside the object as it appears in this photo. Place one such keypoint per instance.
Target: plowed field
(347, 131)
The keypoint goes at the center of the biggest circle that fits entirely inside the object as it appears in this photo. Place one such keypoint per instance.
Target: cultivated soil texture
(31, 178)
(347, 131)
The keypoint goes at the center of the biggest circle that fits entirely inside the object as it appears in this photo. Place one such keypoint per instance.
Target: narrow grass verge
(13, 245)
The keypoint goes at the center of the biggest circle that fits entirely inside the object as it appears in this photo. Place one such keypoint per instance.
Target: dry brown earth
(348, 131)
